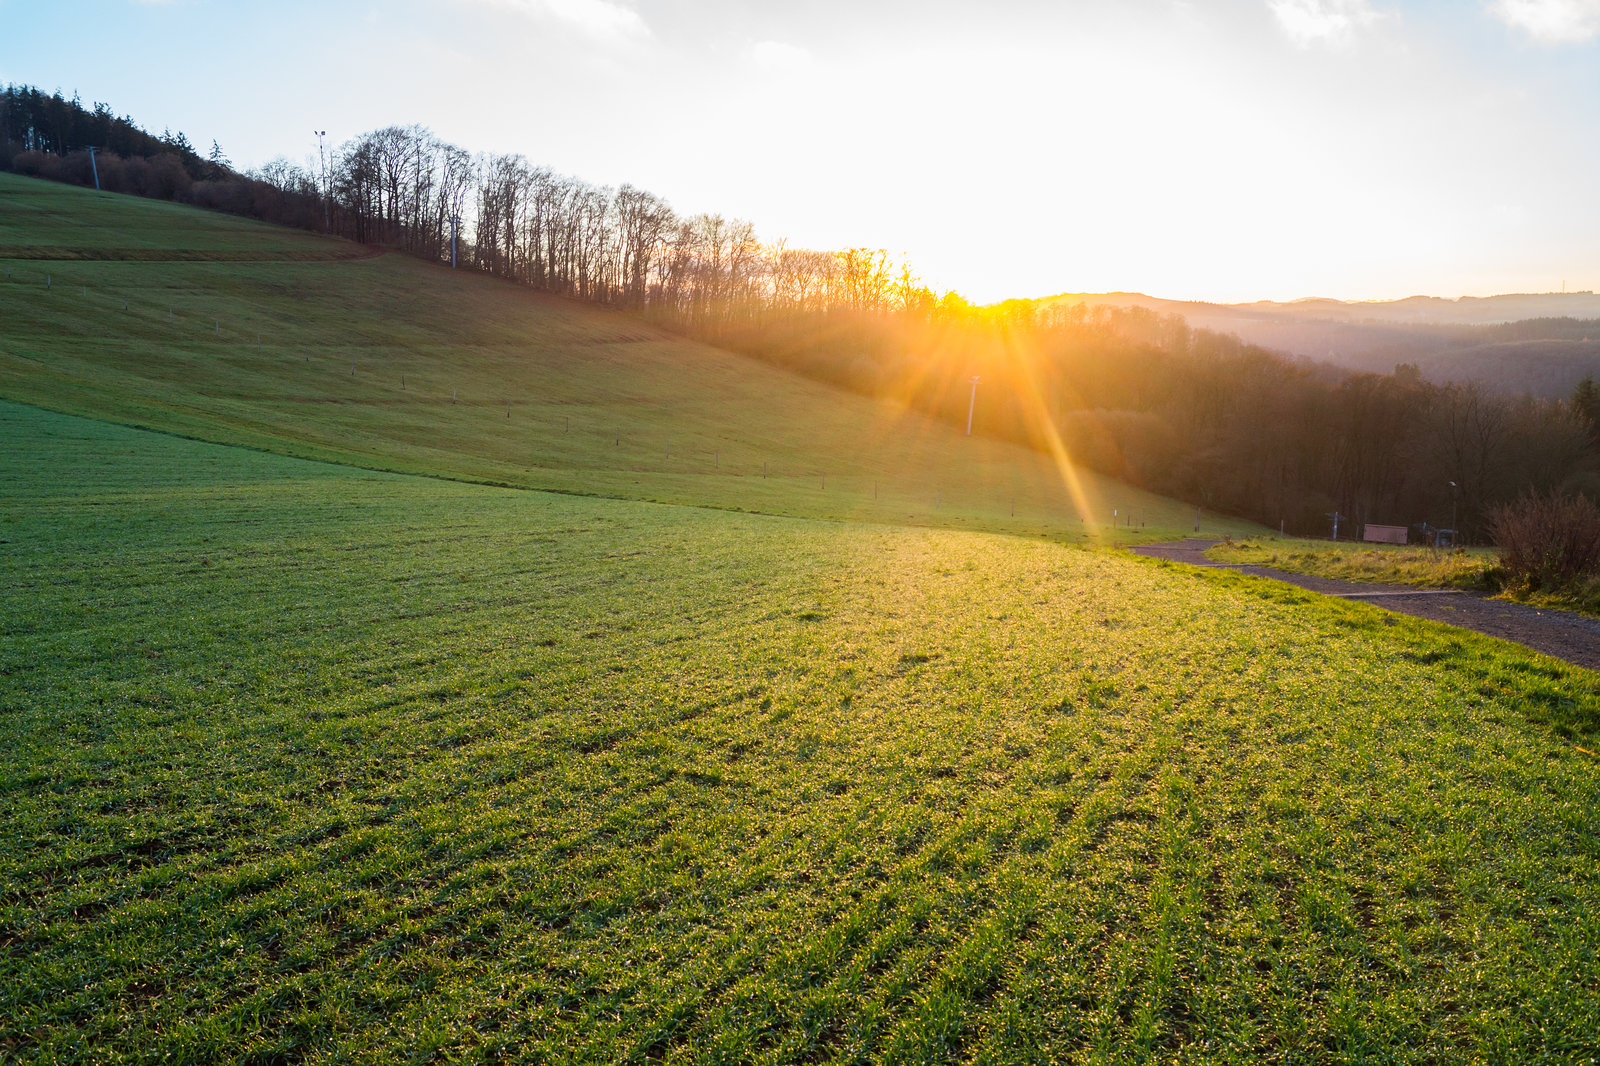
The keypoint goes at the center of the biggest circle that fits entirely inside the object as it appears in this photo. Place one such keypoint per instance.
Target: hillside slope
(216, 327)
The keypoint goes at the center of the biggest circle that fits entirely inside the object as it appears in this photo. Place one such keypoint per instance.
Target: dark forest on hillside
(1137, 394)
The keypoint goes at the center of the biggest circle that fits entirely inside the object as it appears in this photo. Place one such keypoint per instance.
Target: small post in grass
(452, 395)
(568, 427)
(508, 408)
(219, 326)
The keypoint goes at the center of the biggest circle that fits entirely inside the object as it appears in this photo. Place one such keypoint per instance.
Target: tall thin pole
(94, 167)
(323, 155)
(972, 402)
(455, 222)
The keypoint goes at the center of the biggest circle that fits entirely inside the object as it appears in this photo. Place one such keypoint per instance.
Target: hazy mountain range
(1540, 343)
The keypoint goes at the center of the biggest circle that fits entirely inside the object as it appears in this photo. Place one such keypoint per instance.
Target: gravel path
(1560, 634)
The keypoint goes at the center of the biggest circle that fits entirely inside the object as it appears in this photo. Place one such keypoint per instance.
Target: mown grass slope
(307, 763)
(232, 331)
(1391, 564)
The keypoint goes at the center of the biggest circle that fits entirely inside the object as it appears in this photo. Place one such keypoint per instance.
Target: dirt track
(1560, 634)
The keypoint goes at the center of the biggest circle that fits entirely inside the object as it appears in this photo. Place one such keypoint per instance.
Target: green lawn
(393, 364)
(310, 763)
(1390, 564)
(1473, 569)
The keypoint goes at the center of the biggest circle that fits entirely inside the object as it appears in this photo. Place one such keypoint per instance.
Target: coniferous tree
(1586, 403)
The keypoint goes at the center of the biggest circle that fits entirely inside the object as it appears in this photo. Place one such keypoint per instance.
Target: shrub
(1547, 541)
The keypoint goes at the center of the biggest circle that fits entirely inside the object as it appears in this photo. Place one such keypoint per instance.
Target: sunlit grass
(1471, 569)
(309, 763)
(1393, 564)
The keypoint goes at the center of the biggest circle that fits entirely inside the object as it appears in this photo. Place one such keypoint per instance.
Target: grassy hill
(310, 762)
(219, 328)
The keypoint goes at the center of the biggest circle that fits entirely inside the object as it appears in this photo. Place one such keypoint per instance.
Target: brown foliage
(1547, 541)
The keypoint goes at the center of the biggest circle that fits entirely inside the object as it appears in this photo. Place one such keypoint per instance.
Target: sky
(1223, 150)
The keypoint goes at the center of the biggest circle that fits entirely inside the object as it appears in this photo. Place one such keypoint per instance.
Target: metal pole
(972, 402)
(94, 167)
(322, 155)
(455, 221)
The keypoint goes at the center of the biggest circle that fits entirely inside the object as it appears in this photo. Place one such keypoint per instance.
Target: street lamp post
(972, 402)
(323, 156)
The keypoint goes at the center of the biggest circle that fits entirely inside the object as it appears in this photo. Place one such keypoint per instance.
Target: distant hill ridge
(1438, 310)
(1537, 343)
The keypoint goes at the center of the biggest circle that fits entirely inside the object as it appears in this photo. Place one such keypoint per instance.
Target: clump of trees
(1139, 395)
(48, 136)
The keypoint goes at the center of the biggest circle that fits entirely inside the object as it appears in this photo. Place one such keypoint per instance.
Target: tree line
(1205, 417)
(406, 188)
(1136, 394)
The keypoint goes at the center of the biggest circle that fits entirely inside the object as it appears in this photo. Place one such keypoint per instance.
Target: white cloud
(779, 56)
(1314, 22)
(597, 18)
(1551, 21)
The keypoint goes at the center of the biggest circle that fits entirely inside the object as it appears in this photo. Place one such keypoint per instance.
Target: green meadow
(1473, 569)
(305, 762)
(389, 363)
(1390, 564)
(307, 758)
